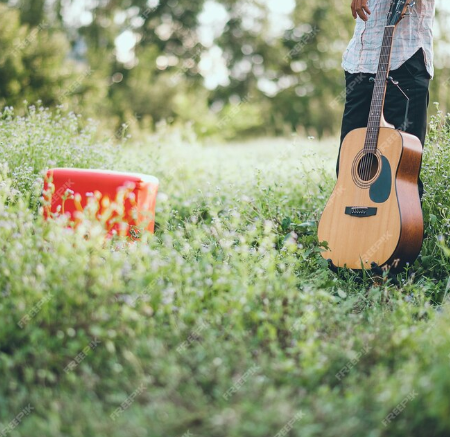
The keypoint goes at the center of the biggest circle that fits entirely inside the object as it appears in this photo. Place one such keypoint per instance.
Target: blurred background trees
(251, 67)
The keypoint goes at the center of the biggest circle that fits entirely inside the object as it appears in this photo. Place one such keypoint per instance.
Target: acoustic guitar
(374, 216)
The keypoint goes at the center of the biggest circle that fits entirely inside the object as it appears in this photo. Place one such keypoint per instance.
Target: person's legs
(414, 80)
(359, 91)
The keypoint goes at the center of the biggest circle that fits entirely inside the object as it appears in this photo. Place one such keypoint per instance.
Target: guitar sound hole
(368, 167)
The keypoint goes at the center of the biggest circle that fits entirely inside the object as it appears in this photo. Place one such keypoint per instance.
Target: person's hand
(360, 8)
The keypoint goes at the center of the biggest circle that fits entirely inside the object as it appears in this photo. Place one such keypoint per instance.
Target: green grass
(227, 321)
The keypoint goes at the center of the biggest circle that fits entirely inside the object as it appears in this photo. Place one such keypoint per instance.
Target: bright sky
(213, 19)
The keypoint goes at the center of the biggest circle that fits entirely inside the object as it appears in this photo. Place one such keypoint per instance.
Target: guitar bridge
(360, 211)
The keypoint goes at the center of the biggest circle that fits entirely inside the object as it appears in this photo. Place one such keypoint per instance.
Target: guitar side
(380, 223)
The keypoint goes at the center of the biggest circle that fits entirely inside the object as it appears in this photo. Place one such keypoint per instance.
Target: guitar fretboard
(379, 91)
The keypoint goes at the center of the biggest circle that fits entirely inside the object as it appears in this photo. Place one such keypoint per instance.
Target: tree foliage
(279, 82)
(32, 65)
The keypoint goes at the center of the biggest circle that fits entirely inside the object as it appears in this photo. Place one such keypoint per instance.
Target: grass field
(227, 321)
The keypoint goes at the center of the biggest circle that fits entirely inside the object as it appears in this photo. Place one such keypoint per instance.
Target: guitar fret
(378, 96)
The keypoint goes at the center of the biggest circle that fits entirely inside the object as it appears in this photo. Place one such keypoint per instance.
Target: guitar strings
(386, 50)
(376, 107)
(374, 118)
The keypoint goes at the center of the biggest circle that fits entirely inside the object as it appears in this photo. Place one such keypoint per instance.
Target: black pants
(413, 79)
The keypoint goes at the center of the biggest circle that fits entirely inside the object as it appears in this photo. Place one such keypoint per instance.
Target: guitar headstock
(398, 10)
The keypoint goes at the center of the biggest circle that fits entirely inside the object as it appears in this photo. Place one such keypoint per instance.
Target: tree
(33, 65)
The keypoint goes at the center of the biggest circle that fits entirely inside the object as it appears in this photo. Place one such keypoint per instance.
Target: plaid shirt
(412, 33)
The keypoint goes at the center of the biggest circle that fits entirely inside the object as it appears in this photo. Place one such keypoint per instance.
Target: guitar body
(374, 214)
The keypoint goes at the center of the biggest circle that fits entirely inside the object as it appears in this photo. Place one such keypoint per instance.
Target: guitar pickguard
(380, 190)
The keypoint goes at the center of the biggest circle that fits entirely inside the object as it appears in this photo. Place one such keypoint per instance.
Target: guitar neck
(379, 90)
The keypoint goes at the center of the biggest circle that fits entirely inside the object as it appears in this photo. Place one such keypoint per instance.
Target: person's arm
(360, 8)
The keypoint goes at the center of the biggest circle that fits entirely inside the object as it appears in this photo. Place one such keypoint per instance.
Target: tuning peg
(409, 8)
(391, 79)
